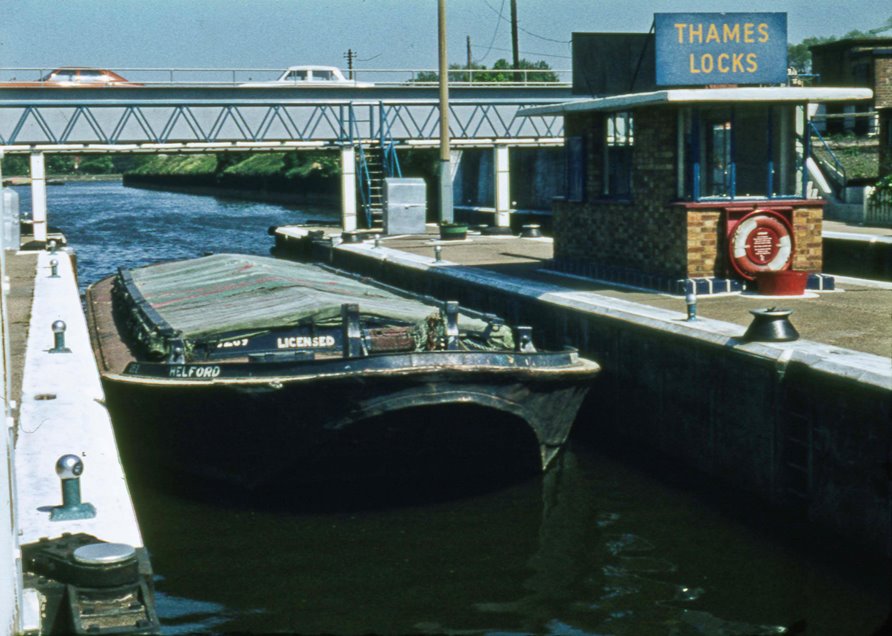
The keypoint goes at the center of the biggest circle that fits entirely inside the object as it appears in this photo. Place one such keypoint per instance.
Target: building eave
(680, 96)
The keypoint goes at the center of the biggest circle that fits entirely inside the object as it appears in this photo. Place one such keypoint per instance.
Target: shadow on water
(414, 457)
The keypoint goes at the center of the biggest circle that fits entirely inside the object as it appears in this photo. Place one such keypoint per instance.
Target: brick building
(700, 184)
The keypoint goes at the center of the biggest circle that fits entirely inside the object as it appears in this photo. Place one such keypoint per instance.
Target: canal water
(607, 542)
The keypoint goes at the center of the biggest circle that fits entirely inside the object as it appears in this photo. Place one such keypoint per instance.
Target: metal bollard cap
(59, 326)
(69, 467)
(104, 553)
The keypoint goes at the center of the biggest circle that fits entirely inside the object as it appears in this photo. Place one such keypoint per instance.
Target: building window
(575, 186)
(742, 152)
(620, 137)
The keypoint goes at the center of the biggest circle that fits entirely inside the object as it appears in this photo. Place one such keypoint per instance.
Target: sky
(120, 34)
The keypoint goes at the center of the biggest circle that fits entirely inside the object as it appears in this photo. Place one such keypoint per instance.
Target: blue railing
(837, 164)
(387, 147)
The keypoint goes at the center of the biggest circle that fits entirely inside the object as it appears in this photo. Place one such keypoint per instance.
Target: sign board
(695, 49)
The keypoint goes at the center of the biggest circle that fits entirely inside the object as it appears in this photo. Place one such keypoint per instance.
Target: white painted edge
(861, 238)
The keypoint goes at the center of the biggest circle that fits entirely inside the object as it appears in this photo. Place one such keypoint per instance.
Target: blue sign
(695, 49)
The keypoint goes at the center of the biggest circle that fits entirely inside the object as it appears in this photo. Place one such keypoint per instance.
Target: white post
(800, 128)
(12, 595)
(501, 186)
(348, 188)
(38, 196)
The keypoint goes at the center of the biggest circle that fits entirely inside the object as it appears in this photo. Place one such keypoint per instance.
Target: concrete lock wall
(808, 440)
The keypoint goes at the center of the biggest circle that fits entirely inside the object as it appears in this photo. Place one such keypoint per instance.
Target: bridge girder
(190, 125)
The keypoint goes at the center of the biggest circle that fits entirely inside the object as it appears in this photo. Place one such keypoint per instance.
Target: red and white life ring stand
(762, 241)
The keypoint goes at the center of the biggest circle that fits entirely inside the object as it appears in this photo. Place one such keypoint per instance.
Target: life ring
(761, 242)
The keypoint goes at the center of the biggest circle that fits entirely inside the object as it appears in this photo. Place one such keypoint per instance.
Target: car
(78, 76)
(312, 76)
(71, 76)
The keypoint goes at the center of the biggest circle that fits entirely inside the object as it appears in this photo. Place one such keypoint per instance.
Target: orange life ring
(762, 241)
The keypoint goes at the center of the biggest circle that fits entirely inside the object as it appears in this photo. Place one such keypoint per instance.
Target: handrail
(837, 164)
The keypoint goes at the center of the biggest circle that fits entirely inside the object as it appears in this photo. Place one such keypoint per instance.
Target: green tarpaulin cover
(208, 297)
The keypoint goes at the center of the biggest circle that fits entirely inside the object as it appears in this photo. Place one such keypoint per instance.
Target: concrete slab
(62, 412)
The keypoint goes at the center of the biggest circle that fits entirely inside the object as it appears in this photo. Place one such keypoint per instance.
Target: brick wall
(882, 80)
(808, 222)
(641, 232)
(652, 232)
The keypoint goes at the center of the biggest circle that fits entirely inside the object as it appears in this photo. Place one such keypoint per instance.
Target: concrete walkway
(856, 316)
(61, 409)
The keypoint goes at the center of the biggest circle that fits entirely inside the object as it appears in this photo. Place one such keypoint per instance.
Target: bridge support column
(348, 188)
(38, 196)
(501, 186)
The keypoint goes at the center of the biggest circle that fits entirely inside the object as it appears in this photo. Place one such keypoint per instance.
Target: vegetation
(883, 186)
(502, 71)
(76, 165)
(799, 55)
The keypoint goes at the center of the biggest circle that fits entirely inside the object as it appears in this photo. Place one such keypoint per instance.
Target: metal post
(59, 337)
(690, 300)
(450, 320)
(445, 176)
(351, 330)
(348, 188)
(69, 468)
(38, 196)
(4, 312)
(501, 186)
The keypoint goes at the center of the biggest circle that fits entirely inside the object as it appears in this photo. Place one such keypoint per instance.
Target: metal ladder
(376, 159)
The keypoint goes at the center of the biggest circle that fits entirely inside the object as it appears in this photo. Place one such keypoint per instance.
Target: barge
(240, 368)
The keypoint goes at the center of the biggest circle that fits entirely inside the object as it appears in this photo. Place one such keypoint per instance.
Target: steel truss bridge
(196, 119)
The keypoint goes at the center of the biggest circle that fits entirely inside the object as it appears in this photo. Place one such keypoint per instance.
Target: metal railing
(379, 76)
(827, 157)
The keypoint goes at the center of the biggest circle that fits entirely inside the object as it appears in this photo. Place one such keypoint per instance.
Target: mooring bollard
(438, 253)
(690, 300)
(771, 325)
(52, 247)
(69, 468)
(59, 337)
(54, 268)
(377, 240)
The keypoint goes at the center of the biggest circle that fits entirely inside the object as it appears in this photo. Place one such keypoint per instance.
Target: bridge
(367, 125)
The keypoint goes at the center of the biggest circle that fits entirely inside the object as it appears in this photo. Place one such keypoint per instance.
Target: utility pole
(469, 53)
(349, 55)
(514, 48)
(446, 211)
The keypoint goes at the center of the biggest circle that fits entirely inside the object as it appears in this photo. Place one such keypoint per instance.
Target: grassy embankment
(288, 176)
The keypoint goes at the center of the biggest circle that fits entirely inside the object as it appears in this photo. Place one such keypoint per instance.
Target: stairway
(372, 190)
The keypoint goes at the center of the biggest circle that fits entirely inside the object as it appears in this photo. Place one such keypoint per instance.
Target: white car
(312, 76)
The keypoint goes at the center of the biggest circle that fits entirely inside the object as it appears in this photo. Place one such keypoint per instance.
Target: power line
(564, 57)
(495, 31)
(530, 33)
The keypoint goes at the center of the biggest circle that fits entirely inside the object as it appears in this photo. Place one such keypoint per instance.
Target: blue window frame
(738, 152)
(575, 173)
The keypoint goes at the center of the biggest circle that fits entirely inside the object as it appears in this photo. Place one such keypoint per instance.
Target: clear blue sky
(384, 33)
